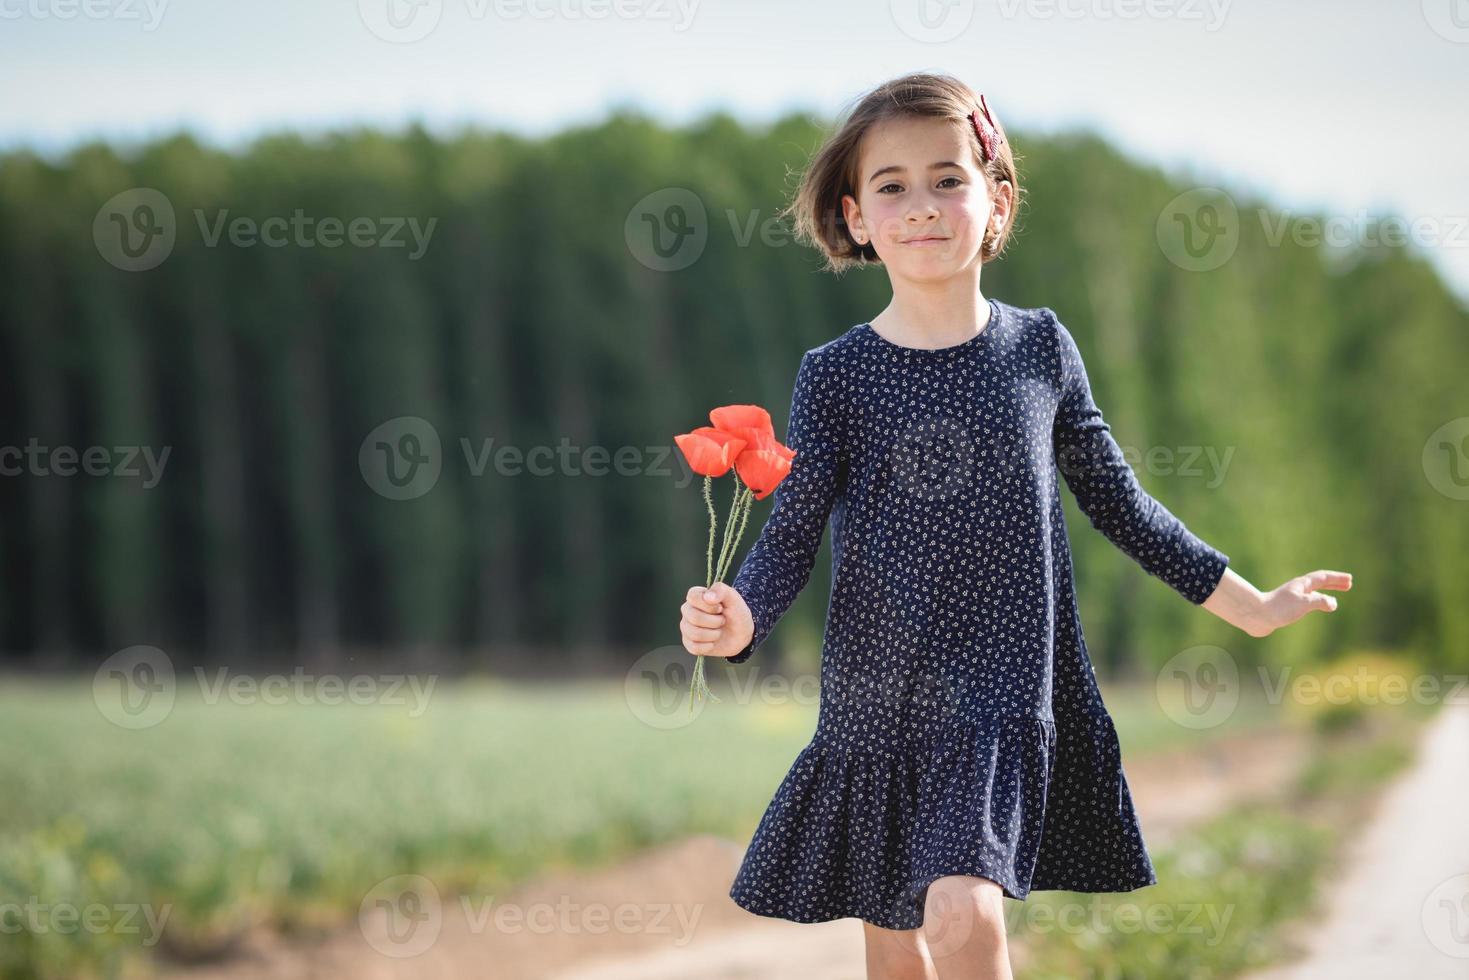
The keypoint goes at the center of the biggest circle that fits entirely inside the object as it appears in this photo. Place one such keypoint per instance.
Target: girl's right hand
(718, 627)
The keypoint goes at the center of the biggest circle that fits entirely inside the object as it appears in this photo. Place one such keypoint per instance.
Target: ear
(853, 215)
(1004, 201)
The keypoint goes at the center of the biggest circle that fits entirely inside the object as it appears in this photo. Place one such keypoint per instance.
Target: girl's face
(921, 201)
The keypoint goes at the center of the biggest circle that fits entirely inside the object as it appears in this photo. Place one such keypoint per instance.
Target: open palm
(1301, 595)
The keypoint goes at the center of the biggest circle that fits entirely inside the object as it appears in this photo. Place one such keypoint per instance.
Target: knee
(963, 908)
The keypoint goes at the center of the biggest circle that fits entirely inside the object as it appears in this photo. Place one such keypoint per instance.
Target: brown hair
(817, 205)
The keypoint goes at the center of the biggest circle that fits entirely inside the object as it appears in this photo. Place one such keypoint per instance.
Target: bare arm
(1240, 604)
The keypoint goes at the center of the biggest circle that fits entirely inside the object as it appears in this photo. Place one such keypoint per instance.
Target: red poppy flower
(710, 451)
(742, 437)
(732, 418)
(752, 424)
(762, 468)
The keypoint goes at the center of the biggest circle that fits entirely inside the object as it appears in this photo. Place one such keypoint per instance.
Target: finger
(700, 618)
(700, 597)
(698, 634)
(696, 598)
(1322, 601)
(1327, 579)
(723, 592)
(701, 649)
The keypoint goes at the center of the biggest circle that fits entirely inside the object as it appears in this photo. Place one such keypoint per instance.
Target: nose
(921, 210)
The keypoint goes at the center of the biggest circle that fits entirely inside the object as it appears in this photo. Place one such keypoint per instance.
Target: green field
(237, 813)
(228, 815)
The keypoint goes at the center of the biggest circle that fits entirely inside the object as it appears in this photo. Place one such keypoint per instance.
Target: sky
(1351, 107)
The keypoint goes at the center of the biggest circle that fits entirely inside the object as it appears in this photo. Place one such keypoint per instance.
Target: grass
(238, 815)
(227, 817)
(1227, 890)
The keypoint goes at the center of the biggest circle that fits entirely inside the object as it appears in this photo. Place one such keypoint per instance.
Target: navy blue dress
(961, 730)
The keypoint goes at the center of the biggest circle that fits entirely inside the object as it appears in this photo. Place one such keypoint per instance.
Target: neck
(934, 314)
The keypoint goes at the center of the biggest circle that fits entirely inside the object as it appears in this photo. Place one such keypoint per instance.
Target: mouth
(925, 240)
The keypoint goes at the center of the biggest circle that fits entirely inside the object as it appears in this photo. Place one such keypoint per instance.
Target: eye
(885, 187)
(956, 179)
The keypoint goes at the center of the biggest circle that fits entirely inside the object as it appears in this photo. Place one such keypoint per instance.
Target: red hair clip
(985, 128)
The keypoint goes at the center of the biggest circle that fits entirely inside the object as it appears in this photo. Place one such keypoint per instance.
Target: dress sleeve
(1109, 494)
(779, 563)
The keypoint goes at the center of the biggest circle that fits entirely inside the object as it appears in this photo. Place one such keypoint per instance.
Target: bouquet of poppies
(741, 439)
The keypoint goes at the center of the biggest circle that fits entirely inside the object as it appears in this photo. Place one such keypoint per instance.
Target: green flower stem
(709, 555)
(747, 503)
(734, 529)
(734, 509)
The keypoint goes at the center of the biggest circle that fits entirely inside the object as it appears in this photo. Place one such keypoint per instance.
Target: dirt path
(678, 920)
(1171, 789)
(1401, 907)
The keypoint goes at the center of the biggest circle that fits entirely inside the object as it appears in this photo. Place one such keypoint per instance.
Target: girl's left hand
(1295, 598)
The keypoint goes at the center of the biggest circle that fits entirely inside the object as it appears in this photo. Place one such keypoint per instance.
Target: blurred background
(342, 347)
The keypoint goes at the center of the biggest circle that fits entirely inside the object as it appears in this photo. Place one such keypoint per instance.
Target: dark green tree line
(529, 320)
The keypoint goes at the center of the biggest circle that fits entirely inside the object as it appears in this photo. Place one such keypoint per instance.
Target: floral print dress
(961, 729)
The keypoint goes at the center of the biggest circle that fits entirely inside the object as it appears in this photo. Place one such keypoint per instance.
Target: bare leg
(897, 954)
(964, 921)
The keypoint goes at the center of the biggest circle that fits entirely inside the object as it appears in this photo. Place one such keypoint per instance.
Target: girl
(962, 751)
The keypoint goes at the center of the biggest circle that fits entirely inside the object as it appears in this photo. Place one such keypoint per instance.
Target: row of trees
(228, 452)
